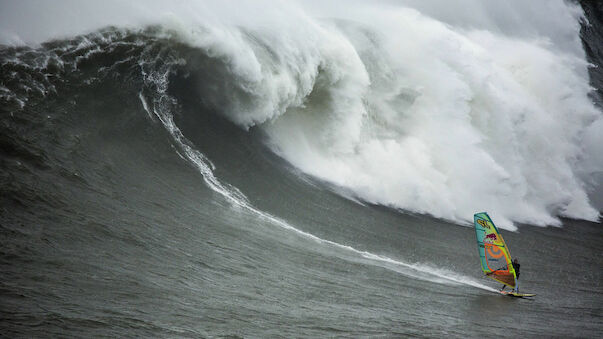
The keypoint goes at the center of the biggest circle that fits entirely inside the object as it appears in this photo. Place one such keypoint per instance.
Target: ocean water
(269, 169)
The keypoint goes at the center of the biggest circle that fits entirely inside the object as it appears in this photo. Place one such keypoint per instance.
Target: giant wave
(399, 107)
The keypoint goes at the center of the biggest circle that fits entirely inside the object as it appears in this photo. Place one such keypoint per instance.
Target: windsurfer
(516, 266)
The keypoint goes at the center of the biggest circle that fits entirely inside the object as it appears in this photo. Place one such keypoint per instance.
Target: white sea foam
(408, 111)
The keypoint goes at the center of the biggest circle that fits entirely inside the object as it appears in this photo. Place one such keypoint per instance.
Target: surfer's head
(515, 261)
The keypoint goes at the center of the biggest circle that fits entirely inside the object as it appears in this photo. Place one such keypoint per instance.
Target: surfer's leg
(503, 288)
(516, 286)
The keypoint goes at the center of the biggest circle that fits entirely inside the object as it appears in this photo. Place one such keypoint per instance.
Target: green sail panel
(493, 252)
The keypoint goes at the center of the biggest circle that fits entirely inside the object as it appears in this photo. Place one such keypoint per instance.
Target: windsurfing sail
(493, 252)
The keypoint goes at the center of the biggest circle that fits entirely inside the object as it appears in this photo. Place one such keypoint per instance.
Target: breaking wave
(399, 107)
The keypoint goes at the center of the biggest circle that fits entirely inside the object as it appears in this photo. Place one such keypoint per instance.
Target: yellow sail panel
(493, 252)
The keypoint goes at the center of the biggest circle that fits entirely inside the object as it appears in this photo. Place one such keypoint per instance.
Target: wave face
(440, 116)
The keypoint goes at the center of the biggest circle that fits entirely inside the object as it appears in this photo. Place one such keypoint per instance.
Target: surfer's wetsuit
(516, 266)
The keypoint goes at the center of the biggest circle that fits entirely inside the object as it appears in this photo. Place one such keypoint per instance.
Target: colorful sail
(493, 252)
